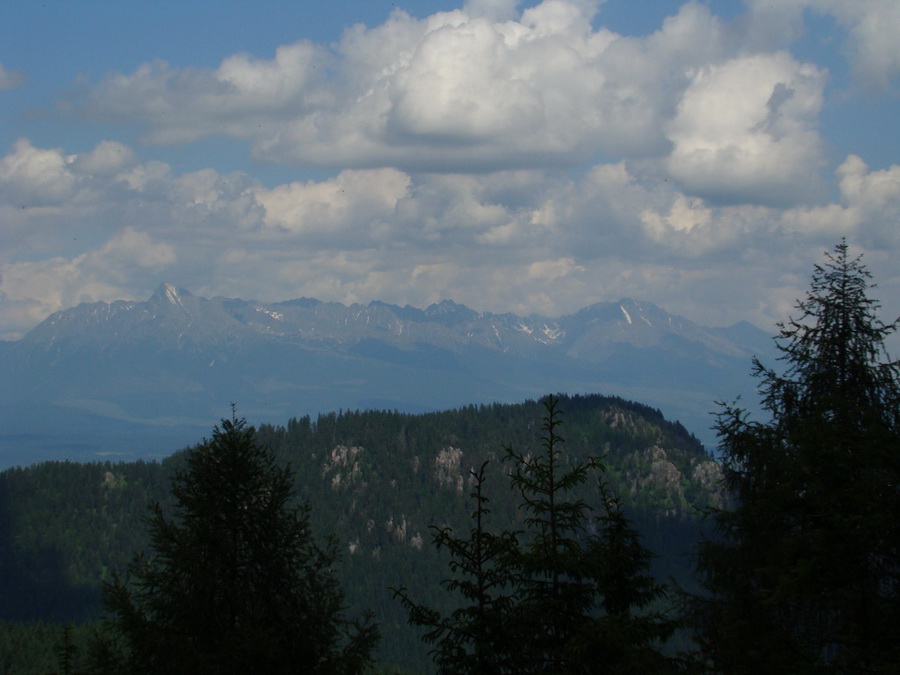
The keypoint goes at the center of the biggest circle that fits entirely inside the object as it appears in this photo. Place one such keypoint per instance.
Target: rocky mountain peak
(449, 310)
(170, 294)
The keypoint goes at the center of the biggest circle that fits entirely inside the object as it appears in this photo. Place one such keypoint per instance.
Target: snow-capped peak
(170, 294)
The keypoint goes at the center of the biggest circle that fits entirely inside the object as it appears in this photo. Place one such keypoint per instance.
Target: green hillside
(376, 481)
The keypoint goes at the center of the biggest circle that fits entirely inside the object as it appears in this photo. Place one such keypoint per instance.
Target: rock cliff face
(169, 365)
(654, 478)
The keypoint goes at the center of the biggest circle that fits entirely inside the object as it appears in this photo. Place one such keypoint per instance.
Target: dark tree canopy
(236, 582)
(475, 638)
(570, 593)
(803, 576)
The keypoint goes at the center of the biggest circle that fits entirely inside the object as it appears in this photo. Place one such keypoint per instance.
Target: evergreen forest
(376, 481)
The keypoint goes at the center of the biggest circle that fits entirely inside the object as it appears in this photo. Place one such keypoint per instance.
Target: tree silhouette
(236, 582)
(803, 573)
(583, 597)
(475, 638)
(554, 598)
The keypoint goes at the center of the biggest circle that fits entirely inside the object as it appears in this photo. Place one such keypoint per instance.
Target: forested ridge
(377, 480)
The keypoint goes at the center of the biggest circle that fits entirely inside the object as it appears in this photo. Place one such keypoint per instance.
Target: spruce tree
(633, 621)
(583, 603)
(235, 582)
(474, 638)
(803, 574)
(569, 594)
(557, 594)
(67, 652)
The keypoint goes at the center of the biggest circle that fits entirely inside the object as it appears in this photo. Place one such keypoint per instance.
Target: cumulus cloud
(867, 212)
(453, 92)
(745, 131)
(489, 88)
(481, 88)
(108, 158)
(869, 43)
(241, 97)
(358, 203)
(872, 45)
(37, 176)
(30, 291)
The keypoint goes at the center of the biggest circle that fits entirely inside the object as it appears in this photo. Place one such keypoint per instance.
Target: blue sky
(527, 157)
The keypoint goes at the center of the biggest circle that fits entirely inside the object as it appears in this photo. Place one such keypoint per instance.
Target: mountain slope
(375, 480)
(155, 373)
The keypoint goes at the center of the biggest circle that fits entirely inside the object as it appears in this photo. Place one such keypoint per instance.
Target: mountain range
(141, 379)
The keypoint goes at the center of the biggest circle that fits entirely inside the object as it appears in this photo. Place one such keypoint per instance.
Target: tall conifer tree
(804, 574)
(476, 637)
(554, 598)
(583, 604)
(236, 582)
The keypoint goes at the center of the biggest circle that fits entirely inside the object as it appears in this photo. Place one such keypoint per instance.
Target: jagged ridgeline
(374, 480)
(135, 379)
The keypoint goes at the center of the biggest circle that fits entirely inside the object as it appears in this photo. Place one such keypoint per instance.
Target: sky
(532, 157)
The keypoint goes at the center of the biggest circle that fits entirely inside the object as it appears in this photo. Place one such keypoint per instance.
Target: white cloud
(34, 176)
(552, 270)
(472, 89)
(452, 92)
(684, 215)
(30, 291)
(490, 87)
(354, 203)
(871, 27)
(520, 241)
(868, 212)
(360, 235)
(486, 89)
(128, 248)
(106, 159)
(242, 98)
(745, 131)
(873, 46)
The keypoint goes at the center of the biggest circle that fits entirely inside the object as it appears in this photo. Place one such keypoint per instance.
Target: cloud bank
(526, 160)
(462, 92)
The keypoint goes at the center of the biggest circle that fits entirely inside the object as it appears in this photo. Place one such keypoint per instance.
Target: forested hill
(376, 481)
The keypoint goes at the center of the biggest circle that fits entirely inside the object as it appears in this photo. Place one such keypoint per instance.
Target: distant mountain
(143, 378)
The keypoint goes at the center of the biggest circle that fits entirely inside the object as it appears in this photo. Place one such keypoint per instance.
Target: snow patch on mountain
(553, 333)
(278, 316)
